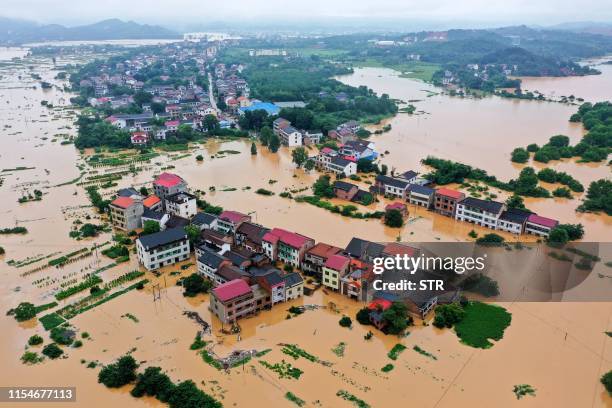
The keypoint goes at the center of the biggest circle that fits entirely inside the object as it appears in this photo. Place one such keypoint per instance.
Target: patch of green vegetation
(263, 191)
(387, 368)
(35, 340)
(283, 369)
(51, 320)
(52, 351)
(339, 349)
(198, 343)
(482, 322)
(297, 352)
(86, 284)
(522, 390)
(31, 357)
(210, 360)
(424, 353)
(396, 351)
(295, 399)
(352, 398)
(131, 317)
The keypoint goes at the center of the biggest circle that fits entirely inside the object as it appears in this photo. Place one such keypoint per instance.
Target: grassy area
(51, 320)
(387, 368)
(482, 322)
(409, 69)
(396, 351)
(295, 399)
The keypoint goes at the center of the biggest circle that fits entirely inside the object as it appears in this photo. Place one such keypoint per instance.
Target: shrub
(520, 155)
(30, 357)
(52, 351)
(35, 340)
(606, 380)
(363, 316)
(117, 374)
(62, 336)
(345, 321)
(448, 315)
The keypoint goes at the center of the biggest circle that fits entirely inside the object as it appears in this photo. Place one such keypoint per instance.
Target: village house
(229, 221)
(158, 217)
(209, 262)
(126, 212)
(420, 195)
(152, 203)
(167, 183)
(341, 136)
(181, 204)
(359, 149)
(227, 273)
(232, 301)
(344, 190)
(480, 212)
(250, 236)
(294, 286)
(290, 136)
(445, 201)
(278, 124)
(356, 284)
(274, 284)
(163, 248)
(334, 269)
(213, 240)
(538, 225)
(139, 138)
(315, 258)
(288, 247)
(390, 186)
(205, 221)
(410, 176)
(340, 165)
(363, 249)
(513, 220)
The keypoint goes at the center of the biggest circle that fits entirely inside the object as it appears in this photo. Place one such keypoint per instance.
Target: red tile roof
(289, 238)
(382, 303)
(123, 202)
(172, 123)
(327, 150)
(449, 193)
(232, 216)
(168, 180)
(324, 250)
(337, 262)
(231, 290)
(538, 219)
(269, 237)
(395, 206)
(394, 248)
(151, 201)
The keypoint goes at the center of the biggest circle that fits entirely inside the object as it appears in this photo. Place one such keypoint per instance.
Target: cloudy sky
(176, 12)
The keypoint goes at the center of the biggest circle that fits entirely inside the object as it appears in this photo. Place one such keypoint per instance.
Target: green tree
(606, 380)
(253, 149)
(520, 155)
(309, 165)
(117, 374)
(52, 351)
(153, 383)
(265, 135)
(193, 233)
(150, 227)
(396, 318)
(384, 169)
(558, 236)
(393, 218)
(195, 284)
(345, 321)
(188, 395)
(322, 187)
(448, 315)
(299, 156)
(515, 201)
(274, 143)
(210, 123)
(363, 316)
(24, 311)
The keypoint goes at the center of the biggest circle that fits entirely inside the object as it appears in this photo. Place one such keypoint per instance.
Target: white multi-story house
(392, 187)
(162, 248)
(290, 136)
(340, 165)
(479, 212)
(538, 225)
(294, 286)
(210, 262)
(182, 204)
(513, 220)
(420, 195)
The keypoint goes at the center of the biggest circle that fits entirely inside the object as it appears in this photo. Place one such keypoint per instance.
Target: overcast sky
(177, 12)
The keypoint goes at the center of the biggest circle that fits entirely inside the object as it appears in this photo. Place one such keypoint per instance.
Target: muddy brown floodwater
(561, 349)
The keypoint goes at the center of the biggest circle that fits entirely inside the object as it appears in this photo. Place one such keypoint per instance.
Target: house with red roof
(315, 258)
(172, 125)
(538, 225)
(377, 308)
(152, 203)
(167, 184)
(139, 138)
(126, 213)
(229, 221)
(232, 301)
(445, 201)
(334, 269)
(288, 247)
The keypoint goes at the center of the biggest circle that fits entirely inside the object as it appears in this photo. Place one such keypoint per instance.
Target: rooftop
(151, 201)
(286, 237)
(546, 222)
(168, 180)
(231, 290)
(324, 250)
(203, 218)
(158, 239)
(122, 202)
(337, 262)
(449, 193)
(344, 186)
(233, 216)
(485, 205)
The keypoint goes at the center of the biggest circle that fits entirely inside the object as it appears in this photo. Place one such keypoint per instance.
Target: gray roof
(153, 215)
(409, 174)
(342, 185)
(515, 215)
(339, 161)
(161, 238)
(292, 279)
(203, 218)
(210, 259)
(416, 188)
(485, 205)
(273, 278)
(177, 222)
(127, 192)
(356, 247)
(386, 180)
(236, 258)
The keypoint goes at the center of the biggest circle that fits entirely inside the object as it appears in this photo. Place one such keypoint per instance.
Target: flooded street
(559, 348)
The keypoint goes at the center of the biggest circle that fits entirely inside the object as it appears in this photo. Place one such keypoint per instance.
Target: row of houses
(290, 136)
(452, 203)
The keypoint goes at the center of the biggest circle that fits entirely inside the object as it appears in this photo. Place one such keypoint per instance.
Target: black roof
(293, 279)
(203, 218)
(175, 222)
(515, 215)
(391, 181)
(485, 205)
(210, 258)
(409, 174)
(180, 197)
(356, 247)
(273, 278)
(419, 189)
(127, 192)
(158, 239)
(342, 185)
(339, 161)
(236, 258)
(153, 215)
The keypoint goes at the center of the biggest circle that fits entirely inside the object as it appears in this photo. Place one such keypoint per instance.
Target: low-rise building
(294, 286)
(290, 136)
(420, 195)
(182, 204)
(445, 201)
(480, 212)
(126, 213)
(274, 284)
(513, 220)
(229, 221)
(209, 263)
(344, 190)
(167, 183)
(315, 258)
(232, 301)
(250, 235)
(205, 221)
(391, 187)
(163, 248)
(335, 268)
(538, 225)
(340, 165)
(153, 203)
(288, 247)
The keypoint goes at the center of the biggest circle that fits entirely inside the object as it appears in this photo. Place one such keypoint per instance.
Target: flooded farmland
(559, 348)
